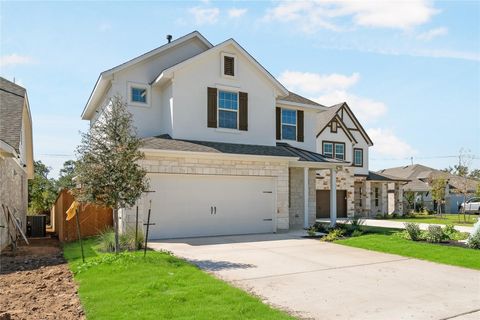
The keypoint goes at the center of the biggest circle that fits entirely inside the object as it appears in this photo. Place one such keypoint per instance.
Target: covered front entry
(208, 205)
(323, 204)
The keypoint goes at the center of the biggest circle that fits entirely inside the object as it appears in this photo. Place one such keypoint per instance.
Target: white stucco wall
(190, 100)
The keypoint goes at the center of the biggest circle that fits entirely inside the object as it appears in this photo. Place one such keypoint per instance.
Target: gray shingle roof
(293, 97)
(12, 99)
(382, 177)
(165, 142)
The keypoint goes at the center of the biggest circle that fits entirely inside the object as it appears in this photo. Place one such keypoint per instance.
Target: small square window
(139, 95)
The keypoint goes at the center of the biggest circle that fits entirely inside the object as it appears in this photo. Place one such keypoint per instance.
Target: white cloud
(236, 12)
(314, 83)
(432, 33)
(386, 143)
(205, 15)
(330, 89)
(311, 16)
(366, 110)
(14, 59)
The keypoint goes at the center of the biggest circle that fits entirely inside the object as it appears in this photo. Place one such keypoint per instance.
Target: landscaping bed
(442, 245)
(160, 286)
(456, 219)
(36, 283)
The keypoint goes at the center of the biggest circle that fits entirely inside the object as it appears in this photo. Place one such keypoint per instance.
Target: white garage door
(194, 205)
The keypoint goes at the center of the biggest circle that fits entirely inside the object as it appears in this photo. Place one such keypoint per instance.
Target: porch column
(400, 198)
(384, 204)
(333, 197)
(305, 198)
(368, 198)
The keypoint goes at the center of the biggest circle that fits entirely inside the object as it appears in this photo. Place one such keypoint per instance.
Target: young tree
(41, 190)
(67, 173)
(464, 161)
(108, 171)
(438, 192)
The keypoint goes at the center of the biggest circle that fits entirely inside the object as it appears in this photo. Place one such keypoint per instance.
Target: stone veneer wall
(345, 181)
(216, 166)
(14, 194)
(297, 197)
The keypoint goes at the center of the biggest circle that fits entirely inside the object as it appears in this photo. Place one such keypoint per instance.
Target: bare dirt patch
(36, 283)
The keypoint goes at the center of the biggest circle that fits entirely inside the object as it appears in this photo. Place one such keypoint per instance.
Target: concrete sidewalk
(396, 224)
(318, 280)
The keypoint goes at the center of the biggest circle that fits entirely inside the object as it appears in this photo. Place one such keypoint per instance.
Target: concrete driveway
(313, 279)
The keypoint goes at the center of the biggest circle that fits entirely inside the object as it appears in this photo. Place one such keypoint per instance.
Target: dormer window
(229, 65)
(138, 94)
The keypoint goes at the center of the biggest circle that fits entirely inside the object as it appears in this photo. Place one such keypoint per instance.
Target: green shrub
(474, 238)
(321, 227)
(106, 240)
(413, 230)
(127, 240)
(379, 216)
(333, 235)
(356, 224)
(312, 231)
(435, 234)
(449, 229)
(356, 233)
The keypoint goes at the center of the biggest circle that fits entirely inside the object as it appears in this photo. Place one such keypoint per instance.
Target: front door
(323, 204)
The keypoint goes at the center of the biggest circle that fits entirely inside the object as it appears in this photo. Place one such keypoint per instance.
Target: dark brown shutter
(279, 123)
(300, 125)
(228, 66)
(212, 107)
(243, 110)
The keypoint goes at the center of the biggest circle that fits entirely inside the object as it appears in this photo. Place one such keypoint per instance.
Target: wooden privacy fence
(93, 219)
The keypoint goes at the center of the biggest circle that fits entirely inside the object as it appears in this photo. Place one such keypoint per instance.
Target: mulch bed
(35, 283)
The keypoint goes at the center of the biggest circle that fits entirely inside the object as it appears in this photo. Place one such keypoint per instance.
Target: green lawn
(158, 287)
(383, 240)
(456, 219)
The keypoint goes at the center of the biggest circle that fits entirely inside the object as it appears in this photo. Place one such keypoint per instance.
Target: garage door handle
(215, 210)
(211, 210)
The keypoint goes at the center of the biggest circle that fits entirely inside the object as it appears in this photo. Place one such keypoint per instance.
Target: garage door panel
(182, 205)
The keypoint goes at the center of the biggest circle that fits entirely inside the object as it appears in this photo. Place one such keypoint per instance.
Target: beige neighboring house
(359, 192)
(16, 155)
(421, 176)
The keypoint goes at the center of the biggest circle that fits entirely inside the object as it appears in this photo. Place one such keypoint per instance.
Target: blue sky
(409, 70)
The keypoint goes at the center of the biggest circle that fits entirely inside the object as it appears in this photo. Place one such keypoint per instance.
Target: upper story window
(358, 157)
(227, 110)
(138, 94)
(328, 149)
(334, 150)
(289, 124)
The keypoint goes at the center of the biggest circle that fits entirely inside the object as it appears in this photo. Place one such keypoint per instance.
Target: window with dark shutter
(228, 66)
(300, 126)
(212, 107)
(243, 111)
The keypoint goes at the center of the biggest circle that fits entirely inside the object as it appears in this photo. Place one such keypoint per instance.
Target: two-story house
(16, 159)
(360, 192)
(228, 149)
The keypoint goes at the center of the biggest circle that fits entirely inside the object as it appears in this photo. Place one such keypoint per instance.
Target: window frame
(334, 154)
(353, 158)
(222, 65)
(136, 85)
(228, 110)
(289, 124)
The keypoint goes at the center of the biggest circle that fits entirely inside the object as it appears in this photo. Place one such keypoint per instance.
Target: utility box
(36, 226)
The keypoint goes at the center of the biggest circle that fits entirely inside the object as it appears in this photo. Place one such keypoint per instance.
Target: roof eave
(303, 105)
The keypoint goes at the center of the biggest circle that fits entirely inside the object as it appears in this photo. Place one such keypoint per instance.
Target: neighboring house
(229, 150)
(360, 192)
(421, 177)
(16, 156)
